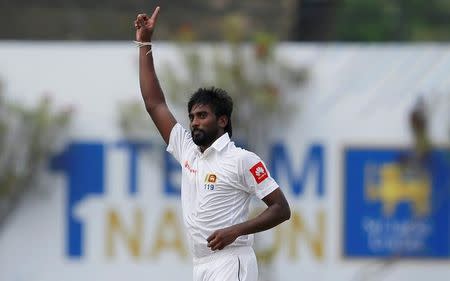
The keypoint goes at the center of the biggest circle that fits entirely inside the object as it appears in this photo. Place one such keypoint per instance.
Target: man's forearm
(150, 88)
(269, 218)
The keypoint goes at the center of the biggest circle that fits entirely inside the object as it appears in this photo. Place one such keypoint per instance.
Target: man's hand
(222, 237)
(145, 26)
(277, 212)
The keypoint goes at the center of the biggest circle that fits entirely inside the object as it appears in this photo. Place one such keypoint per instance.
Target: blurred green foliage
(113, 19)
(393, 20)
(28, 136)
(340, 20)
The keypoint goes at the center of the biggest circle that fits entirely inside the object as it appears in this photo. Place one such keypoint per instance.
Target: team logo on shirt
(259, 172)
(210, 180)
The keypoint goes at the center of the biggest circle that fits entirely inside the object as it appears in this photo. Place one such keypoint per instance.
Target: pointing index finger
(154, 16)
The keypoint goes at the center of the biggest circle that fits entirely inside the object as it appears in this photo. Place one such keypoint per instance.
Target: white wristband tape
(142, 44)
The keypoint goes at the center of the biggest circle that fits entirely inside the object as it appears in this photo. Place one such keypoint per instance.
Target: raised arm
(153, 96)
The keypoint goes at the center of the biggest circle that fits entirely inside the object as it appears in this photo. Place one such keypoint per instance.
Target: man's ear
(223, 121)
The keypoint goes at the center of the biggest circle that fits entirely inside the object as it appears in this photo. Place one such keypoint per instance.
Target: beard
(202, 137)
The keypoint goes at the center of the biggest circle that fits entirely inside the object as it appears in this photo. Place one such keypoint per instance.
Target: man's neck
(202, 148)
(206, 146)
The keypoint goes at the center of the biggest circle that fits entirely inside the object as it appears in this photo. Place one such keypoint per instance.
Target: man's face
(204, 125)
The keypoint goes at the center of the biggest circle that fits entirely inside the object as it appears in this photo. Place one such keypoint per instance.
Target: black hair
(219, 100)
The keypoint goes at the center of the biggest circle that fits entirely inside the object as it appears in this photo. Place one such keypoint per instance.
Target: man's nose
(194, 122)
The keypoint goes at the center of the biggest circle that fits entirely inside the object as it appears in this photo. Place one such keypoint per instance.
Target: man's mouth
(197, 131)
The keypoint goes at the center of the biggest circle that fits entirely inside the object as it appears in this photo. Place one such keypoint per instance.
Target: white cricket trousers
(228, 264)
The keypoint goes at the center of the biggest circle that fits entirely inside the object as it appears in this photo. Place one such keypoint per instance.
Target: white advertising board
(113, 210)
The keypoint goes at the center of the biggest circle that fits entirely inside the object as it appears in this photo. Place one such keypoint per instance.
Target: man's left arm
(277, 211)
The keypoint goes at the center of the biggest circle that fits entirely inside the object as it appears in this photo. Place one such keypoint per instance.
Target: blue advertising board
(396, 205)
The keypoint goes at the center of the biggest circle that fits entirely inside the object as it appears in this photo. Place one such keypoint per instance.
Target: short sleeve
(255, 176)
(180, 141)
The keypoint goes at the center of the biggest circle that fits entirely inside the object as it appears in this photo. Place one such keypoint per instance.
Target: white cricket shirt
(216, 186)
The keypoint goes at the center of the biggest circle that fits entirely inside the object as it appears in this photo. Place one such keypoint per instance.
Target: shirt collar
(217, 145)
(221, 142)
